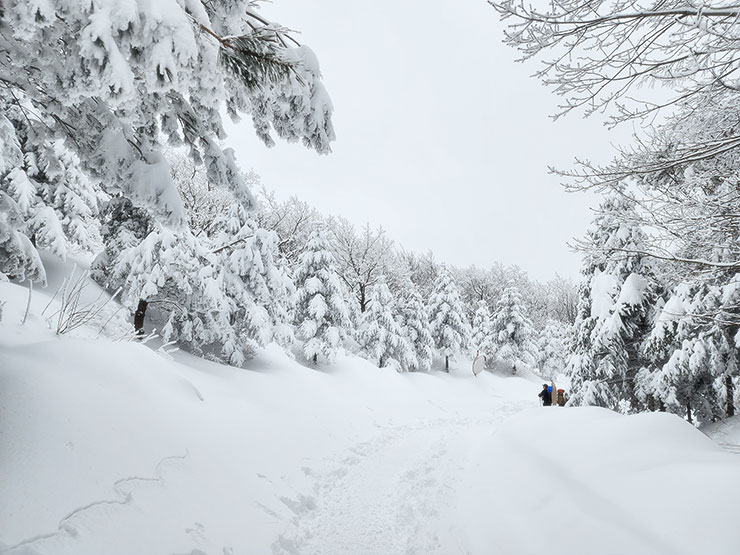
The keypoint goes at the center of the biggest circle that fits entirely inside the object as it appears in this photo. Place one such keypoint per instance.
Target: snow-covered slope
(111, 448)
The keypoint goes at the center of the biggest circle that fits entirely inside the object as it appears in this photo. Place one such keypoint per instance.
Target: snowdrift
(111, 448)
(588, 480)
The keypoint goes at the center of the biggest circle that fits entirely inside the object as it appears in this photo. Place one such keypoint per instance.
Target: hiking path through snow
(391, 494)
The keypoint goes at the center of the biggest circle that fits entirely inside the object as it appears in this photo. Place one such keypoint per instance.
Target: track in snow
(389, 495)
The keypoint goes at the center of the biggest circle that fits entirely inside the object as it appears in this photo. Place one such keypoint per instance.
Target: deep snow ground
(110, 448)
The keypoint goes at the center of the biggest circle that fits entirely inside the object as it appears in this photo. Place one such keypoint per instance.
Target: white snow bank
(589, 480)
(108, 447)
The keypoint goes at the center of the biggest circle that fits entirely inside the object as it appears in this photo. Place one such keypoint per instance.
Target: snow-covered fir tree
(57, 202)
(449, 325)
(18, 256)
(381, 338)
(170, 277)
(413, 318)
(219, 295)
(262, 292)
(551, 349)
(482, 338)
(512, 331)
(693, 355)
(615, 302)
(321, 315)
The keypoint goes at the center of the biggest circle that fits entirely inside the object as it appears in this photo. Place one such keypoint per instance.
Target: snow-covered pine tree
(116, 81)
(482, 339)
(449, 325)
(262, 292)
(693, 357)
(615, 303)
(551, 352)
(381, 338)
(414, 321)
(321, 315)
(18, 256)
(59, 203)
(124, 229)
(170, 276)
(221, 296)
(512, 331)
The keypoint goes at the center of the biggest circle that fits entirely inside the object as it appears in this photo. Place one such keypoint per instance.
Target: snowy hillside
(111, 448)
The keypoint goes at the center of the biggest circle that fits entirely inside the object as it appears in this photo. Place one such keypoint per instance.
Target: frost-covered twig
(165, 351)
(28, 303)
(71, 314)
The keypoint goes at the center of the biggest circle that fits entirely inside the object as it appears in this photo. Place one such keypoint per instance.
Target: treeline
(233, 280)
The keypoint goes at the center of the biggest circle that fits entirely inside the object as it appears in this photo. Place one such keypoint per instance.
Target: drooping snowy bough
(101, 86)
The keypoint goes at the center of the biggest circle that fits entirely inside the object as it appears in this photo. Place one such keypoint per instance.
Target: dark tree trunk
(447, 364)
(650, 402)
(315, 359)
(363, 299)
(688, 413)
(730, 392)
(139, 317)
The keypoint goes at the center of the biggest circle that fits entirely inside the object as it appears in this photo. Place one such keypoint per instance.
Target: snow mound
(588, 480)
(109, 447)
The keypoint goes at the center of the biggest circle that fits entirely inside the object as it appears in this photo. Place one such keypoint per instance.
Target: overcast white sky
(441, 137)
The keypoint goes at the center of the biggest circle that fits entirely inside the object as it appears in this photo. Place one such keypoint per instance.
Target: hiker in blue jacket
(545, 395)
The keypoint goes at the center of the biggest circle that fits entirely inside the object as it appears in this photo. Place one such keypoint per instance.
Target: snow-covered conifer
(693, 360)
(414, 321)
(482, 339)
(321, 315)
(551, 349)
(381, 337)
(512, 331)
(262, 292)
(615, 303)
(18, 257)
(449, 325)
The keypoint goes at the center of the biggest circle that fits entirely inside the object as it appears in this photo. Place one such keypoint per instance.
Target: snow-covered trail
(393, 494)
(454, 485)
